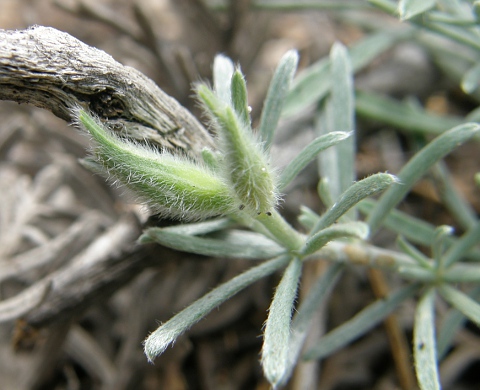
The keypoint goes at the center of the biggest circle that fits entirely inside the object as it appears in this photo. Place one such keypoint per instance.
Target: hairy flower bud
(247, 166)
(172, 186)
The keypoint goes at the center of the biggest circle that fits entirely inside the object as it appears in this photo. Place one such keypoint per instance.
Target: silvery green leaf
(308, 154)
(414, 253)
(277, 327)
(440, 242)
(354, 194)
(308, 218)
(337, 164)
(450, 324)
(471, 79)
(452, 198)
(462, 273)
(424, 347)
(414, 229)
(231, 243)
(325, 192)
(306, 312)
(463, 245)
(223, 69)
(352, 229)
(411, 8)
(402, 115)
(418, 166)
(314, 83)
(276, 95)
(200, 228)
(158, 341)
(362, 322)
(239, 97)
(462, 302)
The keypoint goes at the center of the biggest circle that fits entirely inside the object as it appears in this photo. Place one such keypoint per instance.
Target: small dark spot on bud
(241, 207)
(269, 213)
(421, 346)
(259, 213)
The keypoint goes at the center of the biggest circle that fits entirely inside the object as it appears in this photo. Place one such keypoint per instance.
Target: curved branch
(53, 70)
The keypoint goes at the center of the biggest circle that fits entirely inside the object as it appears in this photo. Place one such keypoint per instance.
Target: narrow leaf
(325, 193)
(239, 97)
(232, 243)
(166, 334)
(462, 302)
(463, 273)
(452, 198)
(359, 324)
(464, 36)
(306, 313)
(411, 8)
(314, 83)
(308, 218)
(474, 115)
(453, 18)
(308, 154)
(200, 228)
(277, 92)
(452, 322)
(358, 191)
(277, 327)
(305, 5)
(442, 233)
(463, 245)
(310, 87)
(414, 253)
(222, 75)
(402, 115)
(417, 167)
(211, 159)
(342, 230)
(343, 118)
(414, 229)
(471, 79)
(424, 343)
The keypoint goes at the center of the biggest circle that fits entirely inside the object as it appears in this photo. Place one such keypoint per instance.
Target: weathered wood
(53, 70)
(106, 265)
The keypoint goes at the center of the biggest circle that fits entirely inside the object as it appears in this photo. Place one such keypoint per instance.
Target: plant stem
(282, 232)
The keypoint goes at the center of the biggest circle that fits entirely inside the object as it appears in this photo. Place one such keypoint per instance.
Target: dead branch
(53, 70)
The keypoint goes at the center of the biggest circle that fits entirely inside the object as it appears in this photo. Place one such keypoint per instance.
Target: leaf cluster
(238, 184)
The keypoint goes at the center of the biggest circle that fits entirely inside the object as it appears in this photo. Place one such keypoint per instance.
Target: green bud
(246, 165)
(172, 186)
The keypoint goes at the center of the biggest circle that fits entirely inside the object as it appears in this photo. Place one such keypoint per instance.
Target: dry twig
(53, 70)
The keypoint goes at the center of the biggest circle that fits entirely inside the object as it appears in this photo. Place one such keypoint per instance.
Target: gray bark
(55, 71)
